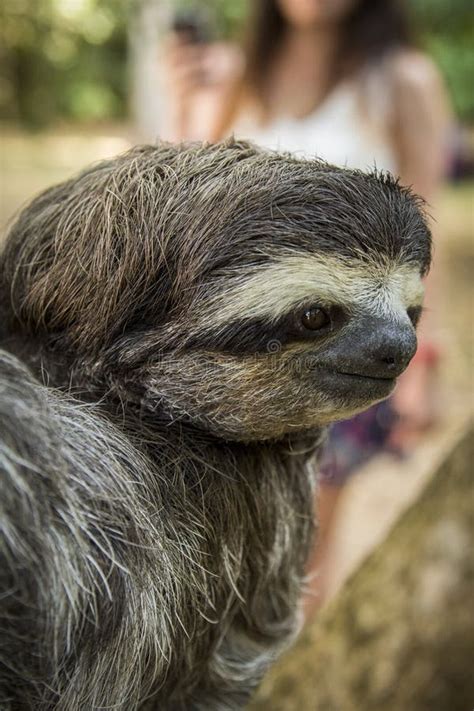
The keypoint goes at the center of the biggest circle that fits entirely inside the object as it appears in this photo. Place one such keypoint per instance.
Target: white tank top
(339, 131)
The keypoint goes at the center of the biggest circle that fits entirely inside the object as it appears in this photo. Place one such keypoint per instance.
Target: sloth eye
(414, 313)
(315, 318)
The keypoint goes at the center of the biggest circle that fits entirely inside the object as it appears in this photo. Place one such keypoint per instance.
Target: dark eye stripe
(414, 314)
(241, 336)
(258, 335)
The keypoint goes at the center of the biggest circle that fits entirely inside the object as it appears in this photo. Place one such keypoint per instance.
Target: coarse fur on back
(180, 324)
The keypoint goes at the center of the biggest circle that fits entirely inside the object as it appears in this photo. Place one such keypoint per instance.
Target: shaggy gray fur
(123, 575)
(157, 469)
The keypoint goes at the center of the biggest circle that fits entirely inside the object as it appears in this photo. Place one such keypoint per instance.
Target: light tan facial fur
(382, 290)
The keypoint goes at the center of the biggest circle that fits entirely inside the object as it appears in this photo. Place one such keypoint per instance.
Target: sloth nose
(388, 348)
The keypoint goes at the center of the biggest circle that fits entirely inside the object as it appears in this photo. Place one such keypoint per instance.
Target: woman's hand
(196, 76)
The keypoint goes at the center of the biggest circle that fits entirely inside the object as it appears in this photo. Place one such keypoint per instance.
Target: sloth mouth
(359, 387)
(366, 388)
(363, 377)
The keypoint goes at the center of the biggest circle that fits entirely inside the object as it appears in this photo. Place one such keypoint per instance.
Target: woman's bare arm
(421, 132)
(421, 119)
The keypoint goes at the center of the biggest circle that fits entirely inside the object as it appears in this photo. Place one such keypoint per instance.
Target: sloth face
(304, 341)
(248, 293)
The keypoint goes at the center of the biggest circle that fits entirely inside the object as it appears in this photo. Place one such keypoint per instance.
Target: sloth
(179, 326)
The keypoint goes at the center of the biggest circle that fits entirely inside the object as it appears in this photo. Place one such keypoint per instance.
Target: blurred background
(82, 80)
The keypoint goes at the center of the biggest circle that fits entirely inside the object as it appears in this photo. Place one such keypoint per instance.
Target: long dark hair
(370, 29)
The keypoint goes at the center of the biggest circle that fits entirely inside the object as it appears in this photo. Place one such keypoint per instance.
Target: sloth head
(248, 293)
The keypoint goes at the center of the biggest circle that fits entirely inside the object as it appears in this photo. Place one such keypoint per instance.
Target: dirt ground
(376, 496)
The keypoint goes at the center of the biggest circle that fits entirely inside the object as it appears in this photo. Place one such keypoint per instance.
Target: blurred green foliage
(63, 59)
(446, 31)
(67, 59)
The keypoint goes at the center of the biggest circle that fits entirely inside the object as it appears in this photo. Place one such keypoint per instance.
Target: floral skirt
(351, 443)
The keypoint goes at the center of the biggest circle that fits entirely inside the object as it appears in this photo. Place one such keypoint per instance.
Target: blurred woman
(341, 80)
(335, 78)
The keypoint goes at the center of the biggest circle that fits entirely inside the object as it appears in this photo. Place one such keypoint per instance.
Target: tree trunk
(149, 21)
(400, 634)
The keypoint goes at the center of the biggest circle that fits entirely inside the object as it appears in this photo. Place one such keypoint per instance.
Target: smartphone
(192, 25)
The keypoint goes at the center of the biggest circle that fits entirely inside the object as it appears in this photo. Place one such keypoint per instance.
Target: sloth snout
(393, 353)
(384, 348)
(375, 347)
